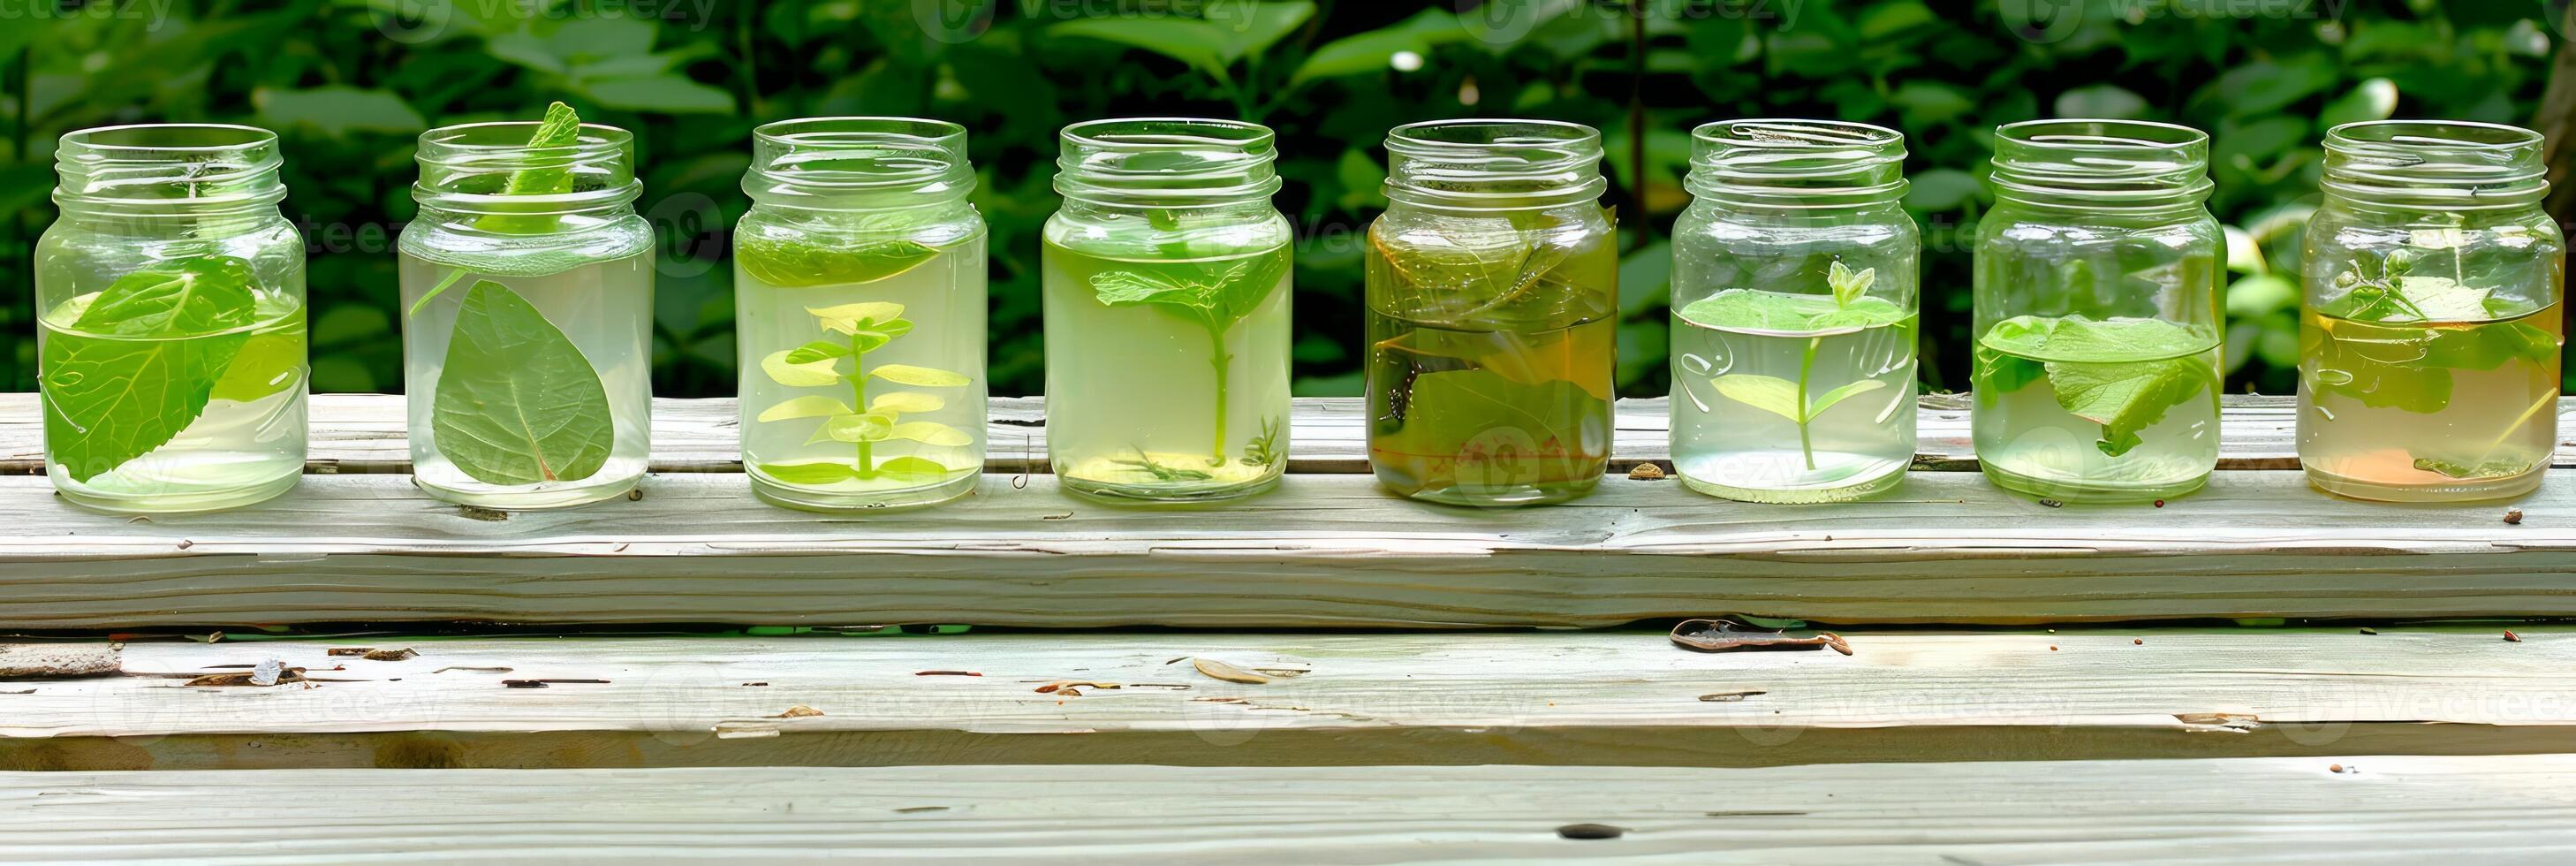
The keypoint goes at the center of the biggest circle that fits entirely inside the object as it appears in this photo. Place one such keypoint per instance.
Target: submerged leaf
(852, 318)
(108, 401)
(516, 402)
(1790, 313)
(810, 474)
(2120, 373)
(783, 369)
(930, 433)
(1768, 393)
(909, 468)
(808, 406)
(905, 402)
(919, 377)
(793, 265)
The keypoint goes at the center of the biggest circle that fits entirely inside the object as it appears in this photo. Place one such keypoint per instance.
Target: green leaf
(2122, 373)
(669, 93)
(782, 369)
(1848, 286)
(808, 474)
(914, 469)
(819, 350)
(517, 403)
(1854, 388)
(1140, 287)
(561, 128)
(858, 427)
(1211, 44)
(808, 406)
(2127, 398)
(1375, 50)
(336, 110)
(268, 363)
(108, 401)
(1768, 393)
(788, 264)
(1790, 313)
(919, 377)
(2109, 101)
(2482, 469)
(2372, 99)
(901, 402)
(930, 433)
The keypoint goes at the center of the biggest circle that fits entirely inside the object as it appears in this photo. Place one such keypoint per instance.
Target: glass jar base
(1863, 488)
(826, 501)
(2091, 493)
(189, 502)
(1137, 494)
(530, 500)
(2463, 490)
(1505, 496)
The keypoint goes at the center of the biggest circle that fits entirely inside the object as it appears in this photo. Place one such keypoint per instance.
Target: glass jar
(2098, 332)
(1794, 278)
(1166, 280)
(2428, 343)
(170, 321)
(527, 293)
(1493, 305)
(859, 299)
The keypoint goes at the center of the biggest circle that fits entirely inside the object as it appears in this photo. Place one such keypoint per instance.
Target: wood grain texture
(1592, 698)
(1323, 550)
(2383, 809)
(362, 433)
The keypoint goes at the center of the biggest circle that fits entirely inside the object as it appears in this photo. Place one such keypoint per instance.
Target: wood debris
(1646, 472)
(477, 512)
(1730, 697)
(946, 674)
(539, 684)
(798, 711)
(268, 673)
(1722, 635)
(1072, 688)
(35, 661)
(1227, 672)
(2513, 517)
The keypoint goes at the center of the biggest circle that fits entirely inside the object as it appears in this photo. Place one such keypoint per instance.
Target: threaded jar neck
(470, 169)
(2114, 164)
(1167, 162)
(174, 169)
(1797, 163)
(1493, 164)
(858, 163)
(2436, 165)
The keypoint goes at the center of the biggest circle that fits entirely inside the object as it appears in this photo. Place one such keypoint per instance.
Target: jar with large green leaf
(1793, 301)
(170, 321)
(1492, 287)
(527, 300)
(859, 297)
(2097, 313)
(2429, 340)
(1165, 285)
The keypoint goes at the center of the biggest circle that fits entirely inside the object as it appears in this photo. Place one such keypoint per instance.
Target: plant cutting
(864, 422)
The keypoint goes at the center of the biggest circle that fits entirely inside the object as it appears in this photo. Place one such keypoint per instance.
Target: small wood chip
(1591, 831)
(798, 711)
(2369, 630)
(2513, 517)
(539, 684)
(2138, 641)
(268, 673)
(2334, 768)
(477, 512)
(2052, 503)
(1072, 688)
(389, 655)
(2510, 637)
(1723, 635)
(1646, 472)
(946, 674)
(1226, 672)
(348, 651)
(1730, 697)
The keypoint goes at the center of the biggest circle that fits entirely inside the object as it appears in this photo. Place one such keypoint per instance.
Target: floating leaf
(1789, 313)
(931, 433)
(903, 402)
(809, 374)
(108, 401)
(517, 403)
(809, 406)
(919, 377)
(2121, 373)
(789, 264)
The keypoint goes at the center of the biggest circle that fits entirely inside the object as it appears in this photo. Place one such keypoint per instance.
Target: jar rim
(2394, 134)
(94, 139)
(173, 168)
(855, 161)
(1795, 134)
(1167, 161)
(1797, 163)
(1150, 134)
(2101, 163)
(2097, 134)
(1494, 163)
(2435, 164)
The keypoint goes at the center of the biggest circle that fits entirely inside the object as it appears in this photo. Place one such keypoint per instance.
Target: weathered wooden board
(1608, 698)
(2381, 809)
(1323, 550)
(359, 433)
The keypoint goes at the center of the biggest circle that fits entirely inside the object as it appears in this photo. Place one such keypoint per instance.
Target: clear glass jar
(170, 321)
(1166, 280)
(1493, 313)
(859, 298)
(527, 293)
(2098, 332)
(1794, 312)
(2428, 345)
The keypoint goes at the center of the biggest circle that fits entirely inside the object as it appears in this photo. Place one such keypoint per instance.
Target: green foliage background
(349, 83)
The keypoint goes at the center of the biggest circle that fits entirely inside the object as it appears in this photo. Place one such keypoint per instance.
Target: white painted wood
(360, 433)
(2383, 809)
(1615, 697)
(1323, 550)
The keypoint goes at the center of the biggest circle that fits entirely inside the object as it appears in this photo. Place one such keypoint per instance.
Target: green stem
(859, 402)
(1220, 359)
(1806, 365)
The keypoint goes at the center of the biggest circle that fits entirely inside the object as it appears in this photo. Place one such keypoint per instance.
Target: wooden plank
(2382, 809)
(361, 433)
(1596, 698)
(1324, 550)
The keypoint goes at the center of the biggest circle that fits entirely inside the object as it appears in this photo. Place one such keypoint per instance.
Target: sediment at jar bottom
(1497, 417)
(174, 420)
(1792, 397)
(1167, 379)
(528, 391)
(2429, 411)
(2113, 410)
(863, 391)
